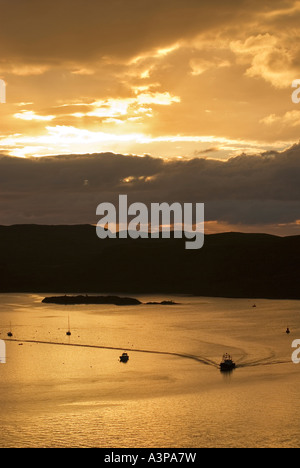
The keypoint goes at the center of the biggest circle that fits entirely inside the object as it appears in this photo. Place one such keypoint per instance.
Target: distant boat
(124, 357)
(69, 329)
(10, 334)
(227, 363)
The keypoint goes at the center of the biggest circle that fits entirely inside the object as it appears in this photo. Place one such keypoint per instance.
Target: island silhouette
(77, 300)
(86, 299)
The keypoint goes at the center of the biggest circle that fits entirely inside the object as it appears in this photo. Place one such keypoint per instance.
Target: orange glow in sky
(171, 80)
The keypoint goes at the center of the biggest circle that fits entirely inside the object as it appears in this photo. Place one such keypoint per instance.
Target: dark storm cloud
(85, 29)
(245, 190)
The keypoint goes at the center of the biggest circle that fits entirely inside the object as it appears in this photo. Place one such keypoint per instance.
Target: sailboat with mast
(69, 329)
(10, 334)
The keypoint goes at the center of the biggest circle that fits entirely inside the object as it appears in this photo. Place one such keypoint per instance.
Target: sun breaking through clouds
(178, 80)
(169, 78)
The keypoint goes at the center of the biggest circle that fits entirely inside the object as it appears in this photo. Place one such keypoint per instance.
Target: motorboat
(227, 363)
(124, 357)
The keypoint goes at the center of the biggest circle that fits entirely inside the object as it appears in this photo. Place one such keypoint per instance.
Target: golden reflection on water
(65, 396)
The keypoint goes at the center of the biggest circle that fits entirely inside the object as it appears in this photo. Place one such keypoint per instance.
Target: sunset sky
(172, 100)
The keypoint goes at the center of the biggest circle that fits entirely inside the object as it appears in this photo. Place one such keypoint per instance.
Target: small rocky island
(94, 300)
(91, 300)
(162, 303)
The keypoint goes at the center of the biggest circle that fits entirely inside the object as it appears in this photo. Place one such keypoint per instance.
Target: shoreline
(154, 294)
(159, 293)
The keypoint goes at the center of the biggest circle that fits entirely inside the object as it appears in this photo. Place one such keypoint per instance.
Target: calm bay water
(173, 395)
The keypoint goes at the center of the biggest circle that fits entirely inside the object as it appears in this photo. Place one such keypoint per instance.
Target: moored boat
(10, 333)
(68, 333)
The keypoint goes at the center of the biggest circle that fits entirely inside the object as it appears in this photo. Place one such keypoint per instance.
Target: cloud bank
(257, 192)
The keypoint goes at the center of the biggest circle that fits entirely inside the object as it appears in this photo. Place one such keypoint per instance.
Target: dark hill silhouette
(72, 259)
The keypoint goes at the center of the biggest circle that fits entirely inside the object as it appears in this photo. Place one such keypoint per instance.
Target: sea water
(60, 391)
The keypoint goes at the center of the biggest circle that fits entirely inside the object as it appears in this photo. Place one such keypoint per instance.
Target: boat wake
(262, 362)
(200, 359)
(266, 361)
